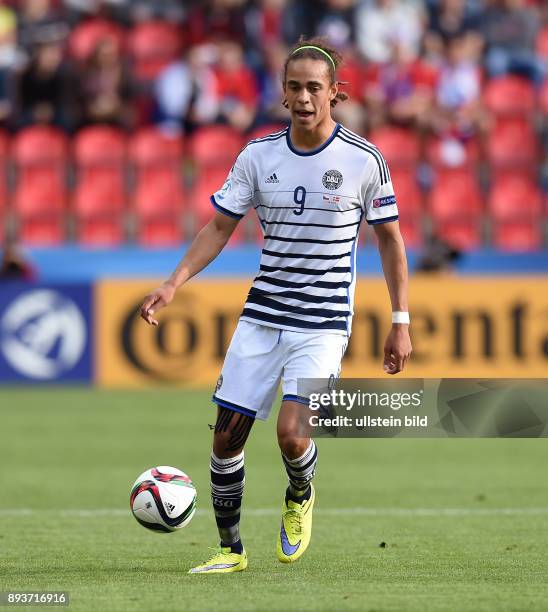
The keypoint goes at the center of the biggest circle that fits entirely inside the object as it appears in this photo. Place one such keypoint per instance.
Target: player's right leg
(245, 391)
(227, 487)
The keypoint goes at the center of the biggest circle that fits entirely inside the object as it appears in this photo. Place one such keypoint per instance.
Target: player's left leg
(300, 456)
(309, 356)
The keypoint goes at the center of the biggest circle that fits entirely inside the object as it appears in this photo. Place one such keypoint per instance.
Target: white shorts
(259, 357)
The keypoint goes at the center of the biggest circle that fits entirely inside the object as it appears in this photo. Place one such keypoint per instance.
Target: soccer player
(310, 185)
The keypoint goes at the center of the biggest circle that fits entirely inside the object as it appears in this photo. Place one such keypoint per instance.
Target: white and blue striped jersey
(310, 205)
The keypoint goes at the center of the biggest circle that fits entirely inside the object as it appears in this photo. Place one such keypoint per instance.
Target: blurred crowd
(454, 92)
(419, 63)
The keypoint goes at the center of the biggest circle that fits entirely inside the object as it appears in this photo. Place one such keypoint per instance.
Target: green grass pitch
(464, 522)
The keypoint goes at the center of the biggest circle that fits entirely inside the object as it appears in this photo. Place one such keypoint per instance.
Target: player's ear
(334, 90)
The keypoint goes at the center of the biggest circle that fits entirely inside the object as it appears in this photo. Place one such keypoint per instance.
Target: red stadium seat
(153, 45)
(36, 199)
(464, 235)
(509, 96)
(100, 145)
(408, 194)
(398, 145)
(514, 197)
(158, 233)
(511, 143)
(40, 154)
(100, 232)
(155, 200)
(40, 213)
(409, 199)
(265, 130)
(455, 195)
(40, 145)
(100, 160)
(208, 183)
(4, 145)
(517, 236)
(542, 43)
(158, 214)
(157, 161)
(151, 146)
(411, 232)
(215, 146)
(543, 98)
(99, 211)
(41, 232)
(85, 37)
(98, 199)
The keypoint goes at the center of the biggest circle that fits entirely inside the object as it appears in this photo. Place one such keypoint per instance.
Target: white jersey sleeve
(379, 200)
(235, 197)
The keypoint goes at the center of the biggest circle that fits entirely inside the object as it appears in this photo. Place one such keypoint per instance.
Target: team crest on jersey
(332, 179)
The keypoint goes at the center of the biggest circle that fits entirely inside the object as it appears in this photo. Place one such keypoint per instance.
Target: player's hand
(397, 349)
(159, 298)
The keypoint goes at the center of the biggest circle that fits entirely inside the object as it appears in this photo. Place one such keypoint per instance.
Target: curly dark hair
(297, 53)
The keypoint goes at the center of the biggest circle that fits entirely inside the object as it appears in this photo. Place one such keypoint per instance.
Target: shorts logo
(386, 201)
(332, 179)
(219, 383)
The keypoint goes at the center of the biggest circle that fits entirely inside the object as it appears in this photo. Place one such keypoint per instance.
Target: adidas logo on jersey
(272, 179)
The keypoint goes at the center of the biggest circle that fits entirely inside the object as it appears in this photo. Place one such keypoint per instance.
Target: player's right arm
(209, 242)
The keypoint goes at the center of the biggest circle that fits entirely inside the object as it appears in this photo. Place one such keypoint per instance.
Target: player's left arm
(397, 348)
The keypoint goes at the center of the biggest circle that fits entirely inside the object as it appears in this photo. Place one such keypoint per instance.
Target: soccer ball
(163, 499)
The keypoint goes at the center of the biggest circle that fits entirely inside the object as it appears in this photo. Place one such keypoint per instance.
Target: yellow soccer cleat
(222, 562)
(296, 529)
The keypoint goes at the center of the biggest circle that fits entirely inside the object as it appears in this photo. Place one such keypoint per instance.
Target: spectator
(458, 91)
(400, 91)
(351, 80)
(381, 24)
(174, 11)
(44, 89)
(271, 23)
(438, 256)
(173, 92)
(510, 28)
(215, 20)
(40, 24)
(337, 22)
(186, 92)
(450, 18)
(271, 109)
(14, 264)
(9, 59)
(104, 87)
(237, 89)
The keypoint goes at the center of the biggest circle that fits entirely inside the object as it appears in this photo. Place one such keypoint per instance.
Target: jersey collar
(314, 151)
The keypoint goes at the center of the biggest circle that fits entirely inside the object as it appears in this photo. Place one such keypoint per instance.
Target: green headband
(320, 50)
